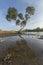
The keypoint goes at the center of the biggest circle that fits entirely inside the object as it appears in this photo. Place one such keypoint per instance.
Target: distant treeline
(34, 30)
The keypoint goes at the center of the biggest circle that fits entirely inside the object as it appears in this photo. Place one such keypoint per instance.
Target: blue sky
(35, 21)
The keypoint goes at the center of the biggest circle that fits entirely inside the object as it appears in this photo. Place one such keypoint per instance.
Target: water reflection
(19, 54)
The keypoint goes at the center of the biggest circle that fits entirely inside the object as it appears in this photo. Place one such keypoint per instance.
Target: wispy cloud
(35, 20)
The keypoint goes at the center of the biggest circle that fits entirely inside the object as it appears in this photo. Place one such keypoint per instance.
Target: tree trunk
(20, 31)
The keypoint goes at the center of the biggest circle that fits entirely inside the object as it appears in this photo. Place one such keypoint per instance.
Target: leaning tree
(19, 18)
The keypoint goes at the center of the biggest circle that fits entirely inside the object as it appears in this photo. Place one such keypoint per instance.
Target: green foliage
(38, 28)
(17, 22)
(20, 15)
(27, 17)
(23, 23)
(8, 18)
(30, 10)
(21, 20)
(12, 14)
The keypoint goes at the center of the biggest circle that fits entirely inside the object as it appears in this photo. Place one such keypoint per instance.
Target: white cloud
(35, 21)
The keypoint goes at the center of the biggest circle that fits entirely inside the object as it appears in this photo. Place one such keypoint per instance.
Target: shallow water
(34, 33)
(31, 40)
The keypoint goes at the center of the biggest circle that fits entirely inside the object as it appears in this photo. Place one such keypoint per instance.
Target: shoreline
(7, 34)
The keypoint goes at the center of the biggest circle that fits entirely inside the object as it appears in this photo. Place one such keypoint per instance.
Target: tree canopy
(11, 14)
(20, 19)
